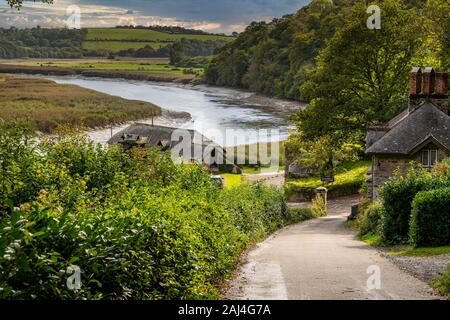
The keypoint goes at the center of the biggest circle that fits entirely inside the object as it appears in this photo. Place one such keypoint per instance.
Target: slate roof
(403, 134)
(160, 136)
(157, 134)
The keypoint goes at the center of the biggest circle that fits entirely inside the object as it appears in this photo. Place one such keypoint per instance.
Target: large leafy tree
(18, 3)
(437, 13)
(361, 75)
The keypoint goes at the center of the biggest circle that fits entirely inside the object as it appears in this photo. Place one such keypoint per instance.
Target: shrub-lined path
(320, 259)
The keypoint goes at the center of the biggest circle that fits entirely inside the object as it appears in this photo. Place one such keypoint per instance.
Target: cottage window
(429, 158)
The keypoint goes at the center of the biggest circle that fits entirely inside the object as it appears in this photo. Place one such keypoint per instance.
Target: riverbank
(48, 104)
(144, 69)
(211, 109)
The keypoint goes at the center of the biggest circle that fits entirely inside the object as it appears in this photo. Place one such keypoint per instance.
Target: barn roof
(406, 132)
(157, 135)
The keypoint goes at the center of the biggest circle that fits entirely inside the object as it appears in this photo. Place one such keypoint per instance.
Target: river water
(211, 109)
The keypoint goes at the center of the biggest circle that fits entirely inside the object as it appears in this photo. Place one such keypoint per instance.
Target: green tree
(176, 54)
(437, 13)
(321, 155)
(361, 76)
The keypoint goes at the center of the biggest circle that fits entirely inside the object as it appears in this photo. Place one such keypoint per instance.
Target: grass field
(117, 39)
(157, 69)
(145, 34)
(421, 252)
(349, 178)
(134, 64)
(115, 46)
(48, 104)
(348, 173)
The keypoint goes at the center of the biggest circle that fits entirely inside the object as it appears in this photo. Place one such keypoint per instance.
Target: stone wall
(384, 166)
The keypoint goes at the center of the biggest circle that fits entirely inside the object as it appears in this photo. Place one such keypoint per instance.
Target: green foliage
(421, 252)
(437, 13)
(369, 219)
(232, 180)
(137, 225)
(48, 105)
(442, 168)
(273, 58)
(349, 178)
(176, 54)
(442, 283)
(148, 35)
(41, 43)
(361, 75)
(153, 42)
(71, 43)
(430, 222)
(319, 206)
(372, 239)
(398, 194)
(322, 155)
(300, 214)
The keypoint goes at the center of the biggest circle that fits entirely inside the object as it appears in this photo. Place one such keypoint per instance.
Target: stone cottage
(421, 133)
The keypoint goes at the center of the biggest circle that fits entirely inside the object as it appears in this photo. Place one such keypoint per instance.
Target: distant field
(157, 69)
(144, 34)
(115, 46)
(117, 39)
(49, 104)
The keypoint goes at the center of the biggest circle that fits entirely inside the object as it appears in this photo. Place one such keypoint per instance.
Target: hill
(276, 57)
(117, 39)
(101, 42)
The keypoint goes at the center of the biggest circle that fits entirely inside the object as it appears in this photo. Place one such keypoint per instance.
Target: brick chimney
(429, 85)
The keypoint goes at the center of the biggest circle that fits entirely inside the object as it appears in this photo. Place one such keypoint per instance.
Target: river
(211, 109)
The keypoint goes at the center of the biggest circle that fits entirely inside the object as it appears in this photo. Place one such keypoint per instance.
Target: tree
(18, 3)
(361, 75)
(176, 54)
(321, 155)
(437, 24)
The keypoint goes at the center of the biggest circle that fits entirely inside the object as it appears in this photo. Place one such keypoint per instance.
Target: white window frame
(426, 154)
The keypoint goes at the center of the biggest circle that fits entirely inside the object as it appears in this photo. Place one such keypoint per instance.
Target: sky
(217, 16)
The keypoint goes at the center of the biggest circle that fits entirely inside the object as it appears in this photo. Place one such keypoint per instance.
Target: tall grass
(49, 105)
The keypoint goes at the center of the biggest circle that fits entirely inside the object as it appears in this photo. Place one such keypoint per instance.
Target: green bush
(369, 219)
(398, 194)
(430, 223)
(442, 283)
(137, 225)
(300, 214)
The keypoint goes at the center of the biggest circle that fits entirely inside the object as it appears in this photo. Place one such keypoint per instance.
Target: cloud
(209, 15)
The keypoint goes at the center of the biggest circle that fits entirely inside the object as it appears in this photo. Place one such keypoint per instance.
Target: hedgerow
(136, 225)
(369, 219)
(430, 222)
(398, 194)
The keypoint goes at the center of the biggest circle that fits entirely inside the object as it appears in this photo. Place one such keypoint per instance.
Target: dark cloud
(221, 11)
(209, 15)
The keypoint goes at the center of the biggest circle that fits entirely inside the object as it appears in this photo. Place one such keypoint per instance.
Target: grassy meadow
(156, 69)
(349, 178)
(115, 46)
(119, 34)
(48, 104)
(117, 39)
